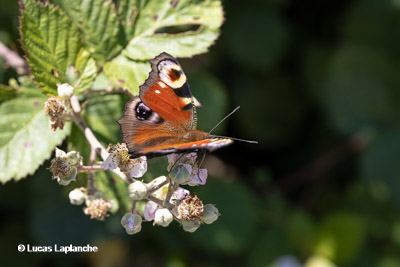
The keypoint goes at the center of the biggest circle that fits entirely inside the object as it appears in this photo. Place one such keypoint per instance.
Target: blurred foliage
(318, 86)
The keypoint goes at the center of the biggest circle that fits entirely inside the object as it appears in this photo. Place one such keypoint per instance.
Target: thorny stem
(94, 143)
(90, 168)
(14, 60)
(133, 209)
(92, 159)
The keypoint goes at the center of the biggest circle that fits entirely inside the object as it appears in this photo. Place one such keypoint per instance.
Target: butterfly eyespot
(143, 112)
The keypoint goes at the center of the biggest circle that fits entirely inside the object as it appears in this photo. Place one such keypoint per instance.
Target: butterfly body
(162, 119)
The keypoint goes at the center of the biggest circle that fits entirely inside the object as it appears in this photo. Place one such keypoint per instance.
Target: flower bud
(77, 196)
(65, 91)
(210, 214)
(163, 217)
(137, 190)
(190, 226)
(132, 223)
(180, 174)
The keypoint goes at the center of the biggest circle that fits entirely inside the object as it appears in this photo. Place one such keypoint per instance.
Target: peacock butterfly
(162, 119)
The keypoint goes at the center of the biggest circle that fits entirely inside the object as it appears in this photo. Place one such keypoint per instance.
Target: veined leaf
(98, 23)
(86, 66)
(127, 13)
(25, 137)
(157, 16)
(51, 43)
(101, 114)
(127, 73)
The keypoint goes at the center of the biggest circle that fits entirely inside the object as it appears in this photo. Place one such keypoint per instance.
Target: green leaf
(51, 43)
(7, 92)
(101, 115)
(86, 67)
(127, 13)
(25, 137)
(156, 18)
(127, 73)
(98, 25)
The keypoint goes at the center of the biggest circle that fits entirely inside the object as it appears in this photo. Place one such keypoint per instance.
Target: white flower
(111, 162)
(139, 168)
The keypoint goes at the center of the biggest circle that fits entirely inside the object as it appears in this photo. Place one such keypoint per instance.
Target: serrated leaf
(98, 24)
(25, 137)
(51, 43)
(158, 15)
(127, 13)
(127, 73)
(86, 66)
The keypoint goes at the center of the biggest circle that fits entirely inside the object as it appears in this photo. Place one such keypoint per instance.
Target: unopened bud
(65, 91)
(163, 217)
(137, 190)
(77, 196)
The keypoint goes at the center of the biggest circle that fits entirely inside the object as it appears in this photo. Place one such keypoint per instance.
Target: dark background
(318, 85)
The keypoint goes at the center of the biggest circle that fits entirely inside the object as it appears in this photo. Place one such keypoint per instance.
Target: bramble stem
(14, 60)
(93, 141)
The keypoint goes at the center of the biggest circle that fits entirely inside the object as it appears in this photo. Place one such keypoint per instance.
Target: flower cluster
(168, 201)
(164, 199)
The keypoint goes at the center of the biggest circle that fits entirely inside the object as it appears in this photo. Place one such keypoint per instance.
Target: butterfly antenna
(236, 139)
(227, 116)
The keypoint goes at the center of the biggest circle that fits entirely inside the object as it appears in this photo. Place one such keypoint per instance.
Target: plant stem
(93, 141)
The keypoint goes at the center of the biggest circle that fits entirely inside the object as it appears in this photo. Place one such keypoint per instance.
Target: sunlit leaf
(157, 17)
(26, 139)
(51, 43)
(127, 73)
(98, 25)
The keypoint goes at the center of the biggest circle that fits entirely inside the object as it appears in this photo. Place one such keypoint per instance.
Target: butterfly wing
(209, 144)
(166, 91)
(164, 112)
